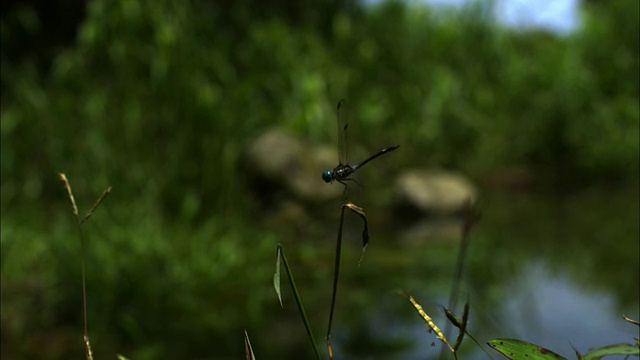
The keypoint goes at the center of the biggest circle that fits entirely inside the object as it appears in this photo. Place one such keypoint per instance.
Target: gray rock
(433, 205)
(423, 192)
(280, 164)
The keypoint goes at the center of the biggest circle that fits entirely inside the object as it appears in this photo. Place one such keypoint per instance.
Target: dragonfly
(342, 172)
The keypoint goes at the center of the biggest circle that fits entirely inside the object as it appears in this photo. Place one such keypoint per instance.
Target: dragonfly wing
(342, 133)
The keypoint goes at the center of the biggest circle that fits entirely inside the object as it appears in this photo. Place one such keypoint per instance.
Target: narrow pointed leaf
(365, 231)
(336, 271)
(276, 276)
(95, 205)
(248, 350)
(296, 296)
(635, 322)
(458, 323)
(618, 349)
(463, 327)
(522, 350)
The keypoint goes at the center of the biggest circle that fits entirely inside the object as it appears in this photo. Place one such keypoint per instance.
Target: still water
(556, 270)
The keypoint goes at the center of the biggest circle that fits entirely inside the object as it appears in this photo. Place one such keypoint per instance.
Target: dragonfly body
(342, 172)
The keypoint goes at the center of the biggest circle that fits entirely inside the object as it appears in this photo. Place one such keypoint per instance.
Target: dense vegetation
(160, 99)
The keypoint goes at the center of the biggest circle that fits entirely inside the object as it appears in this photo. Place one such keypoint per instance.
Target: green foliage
(148, 284)
(161, 96)
(521, 350)
(156, 98)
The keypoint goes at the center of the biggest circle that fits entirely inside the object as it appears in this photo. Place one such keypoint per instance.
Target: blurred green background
(160, 99)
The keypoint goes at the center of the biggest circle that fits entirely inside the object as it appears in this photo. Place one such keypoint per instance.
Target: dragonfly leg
(344, 191)
(342, 181)
(354, 180)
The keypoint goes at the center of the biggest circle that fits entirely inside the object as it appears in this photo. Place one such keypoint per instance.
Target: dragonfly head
(327, 176)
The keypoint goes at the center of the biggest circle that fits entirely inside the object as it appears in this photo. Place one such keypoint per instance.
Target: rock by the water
(433, 205)
(279, 163)
(424, 192)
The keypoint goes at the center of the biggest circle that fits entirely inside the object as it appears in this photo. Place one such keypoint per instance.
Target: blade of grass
(336, 271)
(365, 231)
(631, 320)
(610, 350)
(457, 323)
(472, 216)
(95, 205)
(463, 326)
(248, 350)
(296, 295)
(74, 208)
(276, 277)
(79, 222)
(336, 275)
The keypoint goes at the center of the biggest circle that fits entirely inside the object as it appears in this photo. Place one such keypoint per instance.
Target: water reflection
(555, 271)
(545, 309)
(551, 310)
